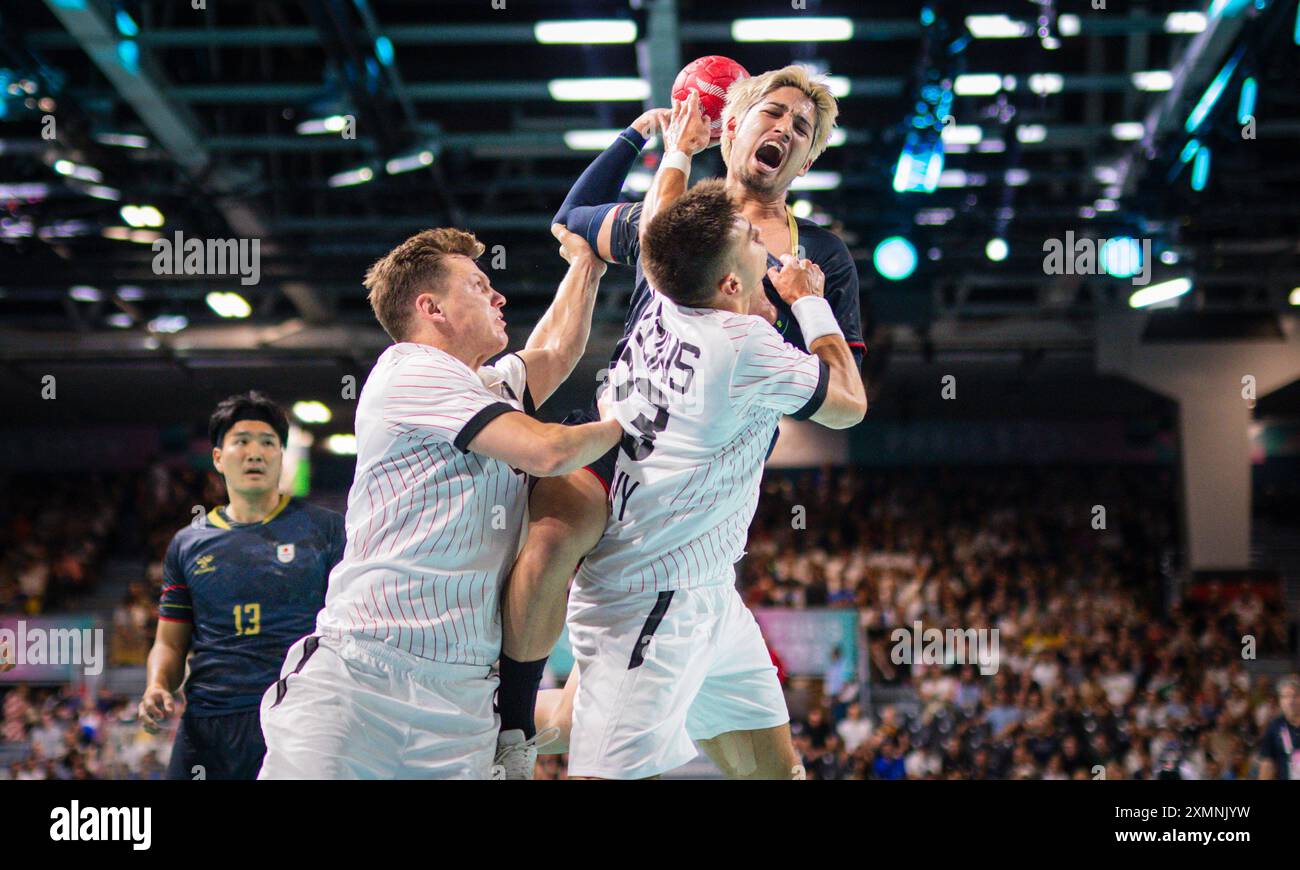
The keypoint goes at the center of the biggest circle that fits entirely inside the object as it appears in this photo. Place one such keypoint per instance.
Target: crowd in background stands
(53, 532)
(1101, 673)
(1096, 678)
(56, 733)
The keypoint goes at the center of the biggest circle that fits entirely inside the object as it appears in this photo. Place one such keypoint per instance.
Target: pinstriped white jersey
(699, 393)
(431, 528)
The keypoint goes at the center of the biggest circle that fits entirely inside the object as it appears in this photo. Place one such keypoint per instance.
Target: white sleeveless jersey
(432, 529)
(699, 393)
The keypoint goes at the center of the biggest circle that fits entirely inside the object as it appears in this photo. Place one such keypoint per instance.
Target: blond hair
(413, 267)
(743, 95)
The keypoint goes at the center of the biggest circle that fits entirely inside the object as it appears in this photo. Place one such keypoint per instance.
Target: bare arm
(545, 449)
(560, 337)
(165, 670)
(846, 396)
(686, 133)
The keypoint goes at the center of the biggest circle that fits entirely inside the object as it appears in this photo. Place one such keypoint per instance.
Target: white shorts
(659, 670)
(351, 708)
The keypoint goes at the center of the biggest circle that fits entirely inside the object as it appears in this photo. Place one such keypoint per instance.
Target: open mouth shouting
(769, 156)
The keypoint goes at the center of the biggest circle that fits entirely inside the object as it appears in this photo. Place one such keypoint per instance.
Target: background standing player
(775, 126)
(238, 590)
(666, 651)
(397, 681)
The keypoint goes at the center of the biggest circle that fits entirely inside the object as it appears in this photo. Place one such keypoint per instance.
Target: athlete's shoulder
(743, 330)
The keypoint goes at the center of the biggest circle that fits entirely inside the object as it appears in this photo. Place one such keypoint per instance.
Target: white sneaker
(516, 757)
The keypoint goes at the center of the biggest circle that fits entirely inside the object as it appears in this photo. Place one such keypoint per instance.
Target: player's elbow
(842, 411)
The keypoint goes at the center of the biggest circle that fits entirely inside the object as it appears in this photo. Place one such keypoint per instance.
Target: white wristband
(677, 160)
(815, 319)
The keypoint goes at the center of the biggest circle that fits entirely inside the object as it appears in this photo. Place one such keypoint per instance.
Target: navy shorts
(224, 747)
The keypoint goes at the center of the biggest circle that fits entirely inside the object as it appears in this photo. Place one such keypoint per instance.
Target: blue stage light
(895, 258)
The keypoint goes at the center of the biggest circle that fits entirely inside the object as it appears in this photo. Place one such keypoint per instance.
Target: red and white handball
(710, 76)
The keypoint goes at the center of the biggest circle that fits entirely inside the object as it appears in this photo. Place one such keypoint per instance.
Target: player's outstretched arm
(560, 337)
(544, 449)
(802, 285)
(685, 135)
(589, 209)
(166, 669)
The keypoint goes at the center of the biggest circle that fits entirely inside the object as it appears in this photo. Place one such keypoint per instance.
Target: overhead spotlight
(311, 411)
(119, 320)
(1212, 93)
(799, 29)
(1201, 169)
(816, 181)
(997, 250)
(410, 163)
(598, 89)
(142, 216)
(1165, 291)
(318, 126)
(1121, 257)
(585, 32)
(352, 177)
(1294, 298)
(1185, 22)
(1153, 80)
(977, 84)
(995, 27)
(589, 140)
(341, 444)
(962, 134)
(168, 323)
(78, 171)
(895, 258)
(1169, 258)
(1046, 83)
(1028, 134)
(802, 208)
(1128, 131)
(122, 140)
(1069, 25)
(1246, 103)
(85, 293)
(638, 181)
(229, 305)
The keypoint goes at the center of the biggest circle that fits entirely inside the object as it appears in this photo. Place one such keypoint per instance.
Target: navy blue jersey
(249, 590)
(819, 244)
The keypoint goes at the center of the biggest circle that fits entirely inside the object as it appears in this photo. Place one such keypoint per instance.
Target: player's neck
(252, 508)
(451, 348)
(757, 206)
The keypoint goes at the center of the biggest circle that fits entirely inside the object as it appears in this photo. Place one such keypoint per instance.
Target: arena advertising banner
(805, 639)
(51, 650)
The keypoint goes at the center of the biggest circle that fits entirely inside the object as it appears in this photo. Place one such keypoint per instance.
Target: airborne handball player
(774, 126)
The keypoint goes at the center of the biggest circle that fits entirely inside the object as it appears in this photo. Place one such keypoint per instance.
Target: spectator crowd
(1105, 669)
